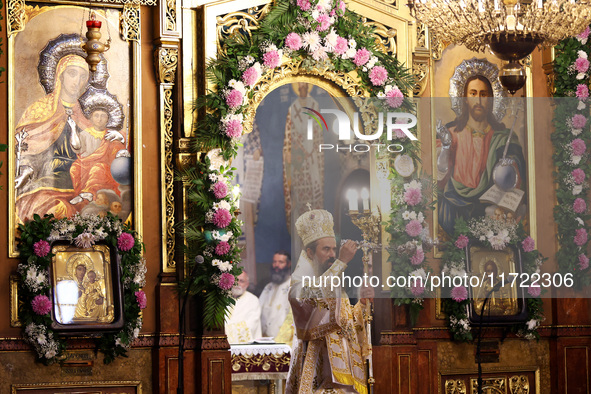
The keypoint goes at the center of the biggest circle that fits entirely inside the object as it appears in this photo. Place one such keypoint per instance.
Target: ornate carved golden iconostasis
(164, 50)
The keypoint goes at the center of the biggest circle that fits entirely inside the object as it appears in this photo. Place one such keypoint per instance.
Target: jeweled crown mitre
(314, 225)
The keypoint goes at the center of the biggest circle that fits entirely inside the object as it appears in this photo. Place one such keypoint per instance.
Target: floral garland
(571, 137)
(319, 33)
(35, 288)
(410, 240)
(497, 234)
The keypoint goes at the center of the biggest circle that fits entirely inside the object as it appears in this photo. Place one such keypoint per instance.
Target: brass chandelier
(511, 29)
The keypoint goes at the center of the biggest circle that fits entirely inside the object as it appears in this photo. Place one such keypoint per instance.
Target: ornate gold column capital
(166, 59)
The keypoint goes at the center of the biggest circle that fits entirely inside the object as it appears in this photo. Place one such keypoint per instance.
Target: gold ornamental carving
(15, 12)
(455, 386)
(519, 384)
(292, 71)
(393, 3)
(490, 385)
(129, 22)
(245, 22)
(421, 60)
(170, 264)
(437, 47)
(167, 60)
(385, 37)
(170, 17)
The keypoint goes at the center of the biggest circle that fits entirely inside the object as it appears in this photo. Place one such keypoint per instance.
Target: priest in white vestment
(274, 299)
(332, 343)
(243, 324)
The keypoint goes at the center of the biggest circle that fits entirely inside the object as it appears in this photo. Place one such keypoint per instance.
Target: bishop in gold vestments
(331, 343)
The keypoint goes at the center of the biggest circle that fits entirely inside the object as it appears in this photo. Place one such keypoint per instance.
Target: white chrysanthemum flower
(223, 204)
(575, 159)
(532, 324)
(581, 106)
(577, 189)
(406, 215)
(311, 40)
(331, 39)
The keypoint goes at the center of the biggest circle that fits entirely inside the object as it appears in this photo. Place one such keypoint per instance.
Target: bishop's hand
(347, 251)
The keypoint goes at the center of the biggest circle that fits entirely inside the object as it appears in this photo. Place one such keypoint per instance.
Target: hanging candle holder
(93, 46)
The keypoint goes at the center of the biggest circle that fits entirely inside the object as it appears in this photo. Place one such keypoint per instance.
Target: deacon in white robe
(274, 298)
(243, 324)
(332, 343)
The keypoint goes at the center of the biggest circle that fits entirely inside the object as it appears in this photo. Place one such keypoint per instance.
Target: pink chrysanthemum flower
(579, 121)
(580, 236)
(293, 41)
(233, 128)
(584, 34)
(234, 99)
(534, 291)
(141, 299)
(271, 59)
(582, 92)
(459, 293)
(417, 289)
(579, 205)
(41, 305)
(250, 76)
(578, 146)
(418, 257)
(462, 241)
(528, 244)
(341, 6)
(323, 22)
(304, 5)
(394, 98)
(226, 281)
(582, 65)
(41, 248)
(125, 242)
(222, 218)
(222, 248)
(220, 190)
(361, 57)
(341, 46)
(378, 75)
(583, 262)
(578, 175)
(414, 228)
(412, 196)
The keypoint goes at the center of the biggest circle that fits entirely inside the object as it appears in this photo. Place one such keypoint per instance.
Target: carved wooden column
(166, 61)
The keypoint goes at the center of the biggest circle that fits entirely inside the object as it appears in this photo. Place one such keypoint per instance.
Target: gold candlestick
(369, 224)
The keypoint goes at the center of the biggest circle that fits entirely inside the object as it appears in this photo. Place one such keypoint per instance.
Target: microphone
(181, 356)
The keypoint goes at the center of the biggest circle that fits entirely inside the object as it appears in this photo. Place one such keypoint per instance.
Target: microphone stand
(181, 356)
(496, 287)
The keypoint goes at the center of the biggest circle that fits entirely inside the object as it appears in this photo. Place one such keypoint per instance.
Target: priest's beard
(279, 275)
(237, 291)
(323, 266)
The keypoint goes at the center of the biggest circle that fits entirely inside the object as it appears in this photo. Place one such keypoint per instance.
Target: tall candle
(365, 198)
(352, 196)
